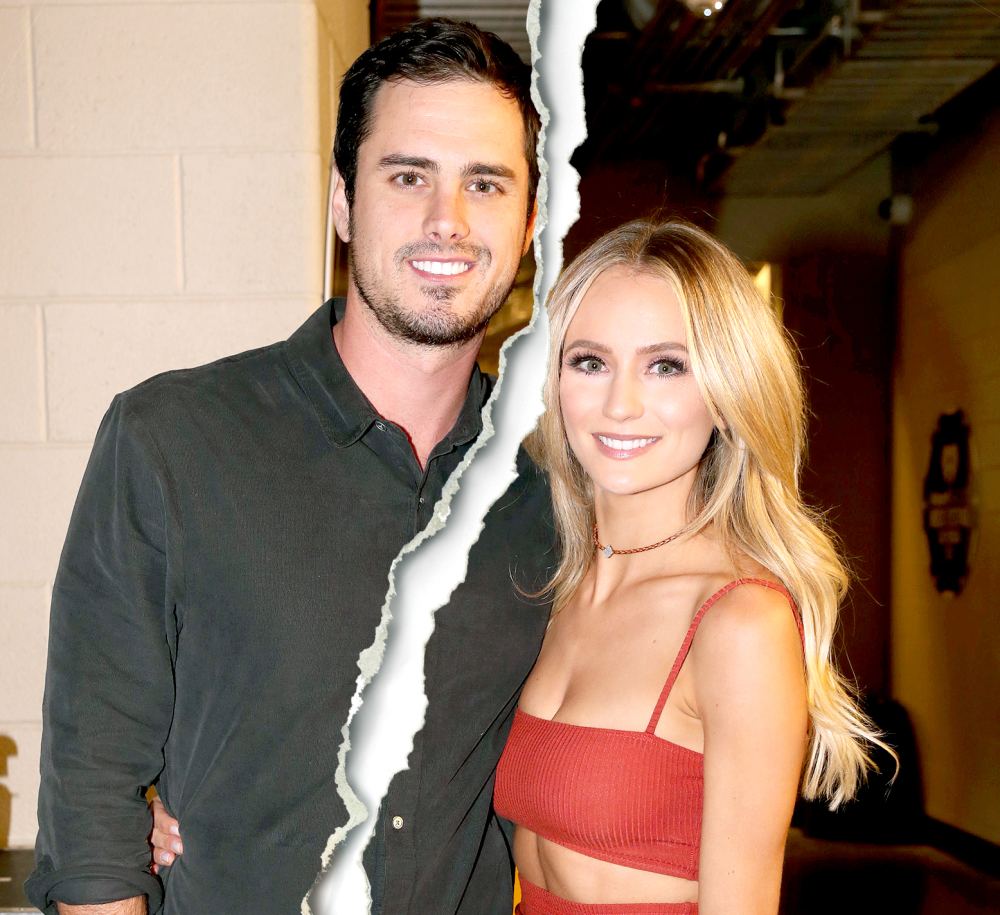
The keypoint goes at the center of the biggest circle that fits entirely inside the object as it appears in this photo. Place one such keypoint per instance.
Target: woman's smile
(624, 447)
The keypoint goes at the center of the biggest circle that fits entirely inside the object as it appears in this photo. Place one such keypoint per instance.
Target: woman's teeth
(620, 444)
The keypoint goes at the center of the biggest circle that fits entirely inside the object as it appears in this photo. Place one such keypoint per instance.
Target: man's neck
(420, 388)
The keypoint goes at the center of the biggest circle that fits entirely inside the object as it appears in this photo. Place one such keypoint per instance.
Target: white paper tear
(379, 732)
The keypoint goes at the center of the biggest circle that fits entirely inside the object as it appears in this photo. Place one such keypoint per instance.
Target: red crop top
(628, 797)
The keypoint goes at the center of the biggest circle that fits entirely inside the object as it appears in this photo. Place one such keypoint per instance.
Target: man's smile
(441, 268)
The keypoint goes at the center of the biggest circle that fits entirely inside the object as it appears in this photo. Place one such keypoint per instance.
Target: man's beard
(435, 324)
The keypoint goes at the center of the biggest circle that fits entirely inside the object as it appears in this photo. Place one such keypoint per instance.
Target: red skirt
(536, 901)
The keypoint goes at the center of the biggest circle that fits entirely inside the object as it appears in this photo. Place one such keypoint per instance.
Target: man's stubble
(435, 324)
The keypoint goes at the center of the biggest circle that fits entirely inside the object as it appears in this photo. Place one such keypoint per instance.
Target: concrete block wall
(162, 198)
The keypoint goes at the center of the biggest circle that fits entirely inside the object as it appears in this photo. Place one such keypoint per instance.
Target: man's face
(440, 215)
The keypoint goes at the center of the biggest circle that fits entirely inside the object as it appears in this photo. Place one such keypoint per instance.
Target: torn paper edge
(523, 389)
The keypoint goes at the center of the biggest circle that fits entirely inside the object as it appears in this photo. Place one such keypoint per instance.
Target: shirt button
(380, 426)
(421, 500)
(397, 822)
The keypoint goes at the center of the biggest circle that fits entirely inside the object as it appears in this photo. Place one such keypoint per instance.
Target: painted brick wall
(162, 197)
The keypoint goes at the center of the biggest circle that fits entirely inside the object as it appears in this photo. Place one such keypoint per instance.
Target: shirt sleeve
(109, 685)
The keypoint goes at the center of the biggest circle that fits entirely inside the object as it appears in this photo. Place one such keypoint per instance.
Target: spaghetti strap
(686, 644)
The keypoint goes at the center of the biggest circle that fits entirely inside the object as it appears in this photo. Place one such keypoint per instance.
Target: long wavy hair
(747, 483)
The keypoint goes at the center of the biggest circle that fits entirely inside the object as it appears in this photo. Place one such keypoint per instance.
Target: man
(227, 557)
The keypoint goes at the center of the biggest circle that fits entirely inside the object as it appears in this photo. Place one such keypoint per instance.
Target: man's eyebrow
(494, 170)
(395, 160)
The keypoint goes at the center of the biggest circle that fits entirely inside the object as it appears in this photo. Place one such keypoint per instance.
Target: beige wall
(946, 653)
(162, 192)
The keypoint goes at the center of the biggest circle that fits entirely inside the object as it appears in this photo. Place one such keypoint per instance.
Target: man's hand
(165, 837)
(134, 906)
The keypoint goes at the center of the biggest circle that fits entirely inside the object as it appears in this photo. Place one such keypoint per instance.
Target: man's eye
(482, 186)
(407, 179)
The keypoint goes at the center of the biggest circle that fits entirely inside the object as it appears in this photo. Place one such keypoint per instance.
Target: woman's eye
(667, 367)
(589, 365)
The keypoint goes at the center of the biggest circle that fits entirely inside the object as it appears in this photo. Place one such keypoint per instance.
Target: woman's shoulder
(747, 605)
(744, 623)
(722, 581)
(748, 677)
(727, 573)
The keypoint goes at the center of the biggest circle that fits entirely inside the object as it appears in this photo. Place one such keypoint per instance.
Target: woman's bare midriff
(580, 878)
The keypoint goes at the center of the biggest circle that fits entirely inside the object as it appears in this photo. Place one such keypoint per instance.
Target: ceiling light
(703, 7)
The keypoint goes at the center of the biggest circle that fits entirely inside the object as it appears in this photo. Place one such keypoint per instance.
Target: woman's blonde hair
(747, 484)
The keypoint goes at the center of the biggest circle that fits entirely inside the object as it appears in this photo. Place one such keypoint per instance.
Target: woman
(685, 677)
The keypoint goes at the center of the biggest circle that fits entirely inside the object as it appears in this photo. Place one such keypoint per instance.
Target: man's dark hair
(431, 51)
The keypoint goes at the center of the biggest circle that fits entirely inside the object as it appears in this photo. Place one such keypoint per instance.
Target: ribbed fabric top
(628, 797)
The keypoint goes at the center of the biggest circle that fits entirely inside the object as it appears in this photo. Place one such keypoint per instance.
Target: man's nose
(624, 398)
(446, 221)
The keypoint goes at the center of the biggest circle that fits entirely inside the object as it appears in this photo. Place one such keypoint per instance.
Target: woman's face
(633, 413)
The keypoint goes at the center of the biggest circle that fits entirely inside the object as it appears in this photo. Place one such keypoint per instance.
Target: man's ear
(529, 232)
(339, 206)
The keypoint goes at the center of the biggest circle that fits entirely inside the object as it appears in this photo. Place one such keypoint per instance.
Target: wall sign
(948, 515)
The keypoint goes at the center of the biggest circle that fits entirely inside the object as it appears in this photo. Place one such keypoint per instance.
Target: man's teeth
(619, 444)
(443, 268)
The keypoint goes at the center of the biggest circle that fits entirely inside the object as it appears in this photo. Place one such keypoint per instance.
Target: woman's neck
(638, 523)
(636, 520)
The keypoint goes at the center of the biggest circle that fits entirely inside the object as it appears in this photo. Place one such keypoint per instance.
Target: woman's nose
(624, 400)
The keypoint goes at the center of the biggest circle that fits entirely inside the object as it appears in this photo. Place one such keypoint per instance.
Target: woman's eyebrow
(659, 348)
(641, 350)
(588, 344)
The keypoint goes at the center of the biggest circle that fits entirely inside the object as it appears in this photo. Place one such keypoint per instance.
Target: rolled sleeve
(109, 686)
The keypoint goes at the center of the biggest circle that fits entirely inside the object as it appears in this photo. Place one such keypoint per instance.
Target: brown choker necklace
(610, 551)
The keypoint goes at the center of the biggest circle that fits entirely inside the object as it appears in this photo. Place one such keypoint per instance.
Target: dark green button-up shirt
(226, 562)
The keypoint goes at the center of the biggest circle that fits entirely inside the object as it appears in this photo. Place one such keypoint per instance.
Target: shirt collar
(342, 409)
